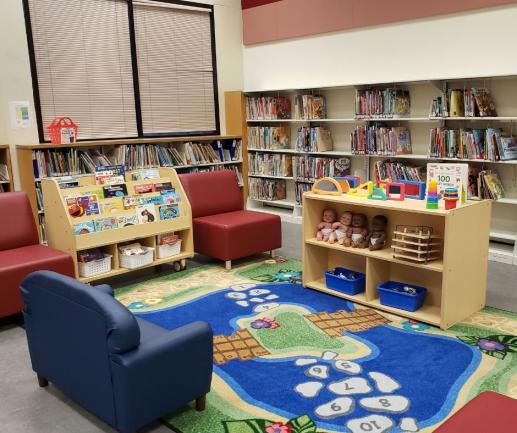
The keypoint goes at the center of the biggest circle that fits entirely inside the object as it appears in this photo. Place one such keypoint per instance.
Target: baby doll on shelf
(378, 235)
(340, 228)
(357, 235)
(325, 226)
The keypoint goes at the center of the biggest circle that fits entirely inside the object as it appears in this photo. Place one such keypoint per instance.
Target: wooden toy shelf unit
(456, 282)
(60, 228)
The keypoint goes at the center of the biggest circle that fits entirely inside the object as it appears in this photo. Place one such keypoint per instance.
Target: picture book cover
(115, 190)
(144, 174)
(403, 138)
(402, 103)
(154, 199)
(144, 188)
(130, 201)
(109, 174)
(84, 227)
(112, 205)
(484, 102)
(494, 185)
(83, 205)
(127, 220)
(168, 211)
(318, 107)
(163, 186)
(450, 176)
(146, 213)
(170, 196)
(167, 238)
(457, 109)
(107, 223)
(507, 147)
(473, 192)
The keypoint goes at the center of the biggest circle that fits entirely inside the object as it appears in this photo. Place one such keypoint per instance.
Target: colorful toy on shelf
(432, 195)
(363, 190)
(340, 228)
(378, 234)
(357, 235)
(451, 197)
(353, 181)
(331, 186)
(395, 191)
(378, 193)
(325, 226)
(414, 189)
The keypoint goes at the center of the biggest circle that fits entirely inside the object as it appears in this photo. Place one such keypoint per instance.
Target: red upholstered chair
(20, 251)
(489, 412)
(222, 228)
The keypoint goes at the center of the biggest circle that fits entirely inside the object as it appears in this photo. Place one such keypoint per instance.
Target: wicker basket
(169, 250)
(137, 260)
(95, 267)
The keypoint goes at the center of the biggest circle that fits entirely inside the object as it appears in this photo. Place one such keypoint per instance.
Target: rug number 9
(370, 426)
(336, 407)
(316, 370)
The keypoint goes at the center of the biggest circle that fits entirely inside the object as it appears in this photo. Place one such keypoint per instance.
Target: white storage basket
(169, 250)
(95, 267)
(137, 260)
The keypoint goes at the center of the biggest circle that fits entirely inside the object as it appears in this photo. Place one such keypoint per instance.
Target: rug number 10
(370, 426)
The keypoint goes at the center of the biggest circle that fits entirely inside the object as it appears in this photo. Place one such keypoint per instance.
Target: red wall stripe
(271, 20)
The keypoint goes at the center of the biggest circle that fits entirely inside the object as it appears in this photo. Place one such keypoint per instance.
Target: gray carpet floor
(26, 408)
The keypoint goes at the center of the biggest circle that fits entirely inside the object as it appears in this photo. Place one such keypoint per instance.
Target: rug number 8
(370, 426)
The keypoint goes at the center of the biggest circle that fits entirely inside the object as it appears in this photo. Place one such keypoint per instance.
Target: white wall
(15, 75)
(478, 43)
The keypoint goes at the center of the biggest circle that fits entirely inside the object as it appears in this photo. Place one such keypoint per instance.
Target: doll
(325, 226)
(378, 235)
(357, 235)
(340, 228)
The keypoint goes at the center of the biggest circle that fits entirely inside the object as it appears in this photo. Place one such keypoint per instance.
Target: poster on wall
(450, 175)
(19, 114)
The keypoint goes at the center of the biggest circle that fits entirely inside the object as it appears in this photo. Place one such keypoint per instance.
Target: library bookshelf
(456, 283)
(31, 182)
(5, 161)
(61, 235)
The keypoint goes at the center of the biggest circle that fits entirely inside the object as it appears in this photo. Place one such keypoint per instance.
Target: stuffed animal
(325, 226)
(340, 228)
(378, 235)
(357, 235)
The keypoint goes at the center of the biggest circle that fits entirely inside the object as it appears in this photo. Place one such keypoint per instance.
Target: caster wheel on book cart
(176, 266)
(183, 264)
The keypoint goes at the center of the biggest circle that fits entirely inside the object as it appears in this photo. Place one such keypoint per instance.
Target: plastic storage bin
(138, 260)
(169, 250)
(350, 286)
(404, 301)
(95, 267)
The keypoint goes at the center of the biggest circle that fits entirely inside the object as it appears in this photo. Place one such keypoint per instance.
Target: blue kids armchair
(125, 370)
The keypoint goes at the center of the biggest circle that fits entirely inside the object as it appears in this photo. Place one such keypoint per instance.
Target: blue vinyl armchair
(125, 370)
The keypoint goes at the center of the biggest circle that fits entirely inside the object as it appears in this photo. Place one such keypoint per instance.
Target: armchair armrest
(163, 374)
(106, 288)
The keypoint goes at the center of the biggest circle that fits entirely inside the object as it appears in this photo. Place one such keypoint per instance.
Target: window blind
(84, 68)
(176, 76)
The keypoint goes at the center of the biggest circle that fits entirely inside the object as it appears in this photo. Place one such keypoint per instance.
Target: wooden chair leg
(201, 403)
(228, 265)
(42, 381)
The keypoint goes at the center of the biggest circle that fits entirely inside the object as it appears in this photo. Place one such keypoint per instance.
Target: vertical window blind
(83, 61)
(83, 58)
(176, 76)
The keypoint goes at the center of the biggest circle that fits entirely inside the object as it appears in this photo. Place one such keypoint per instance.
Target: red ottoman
(489, 412)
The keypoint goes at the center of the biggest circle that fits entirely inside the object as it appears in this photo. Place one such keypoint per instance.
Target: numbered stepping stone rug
(293, 360)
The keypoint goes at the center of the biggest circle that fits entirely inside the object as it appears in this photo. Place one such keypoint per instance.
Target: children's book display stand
(455, 280)
(60, 224)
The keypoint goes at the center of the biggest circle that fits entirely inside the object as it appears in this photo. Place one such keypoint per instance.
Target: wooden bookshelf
(5, 158)
(29, 182)
(60, 228)
(456, 283)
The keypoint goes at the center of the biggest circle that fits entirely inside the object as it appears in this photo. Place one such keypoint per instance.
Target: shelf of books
(6, 173)
(115, 221)
(382, 131)
(69, 163)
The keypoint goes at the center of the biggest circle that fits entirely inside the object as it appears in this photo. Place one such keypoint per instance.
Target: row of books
(233, 168)
(268, 107)
(484, 184)
(467, 102)
(380, 140)
(267, 189)
(393, 170)
(299, 189)
(73, 161)
(313, 139)
(382, 102)
(310, 107)
(4, 173)
(268, 164)
(490, 144)
(269, 137)
(308, 168)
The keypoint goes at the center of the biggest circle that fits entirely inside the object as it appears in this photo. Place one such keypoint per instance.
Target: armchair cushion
(18, 217)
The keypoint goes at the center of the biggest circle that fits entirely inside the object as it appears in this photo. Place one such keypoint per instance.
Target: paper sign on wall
(19, 113)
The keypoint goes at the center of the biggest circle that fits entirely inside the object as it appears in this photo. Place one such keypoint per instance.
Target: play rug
(293, 360)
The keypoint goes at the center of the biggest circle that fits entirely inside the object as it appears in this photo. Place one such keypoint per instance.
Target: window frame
(134, 65)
